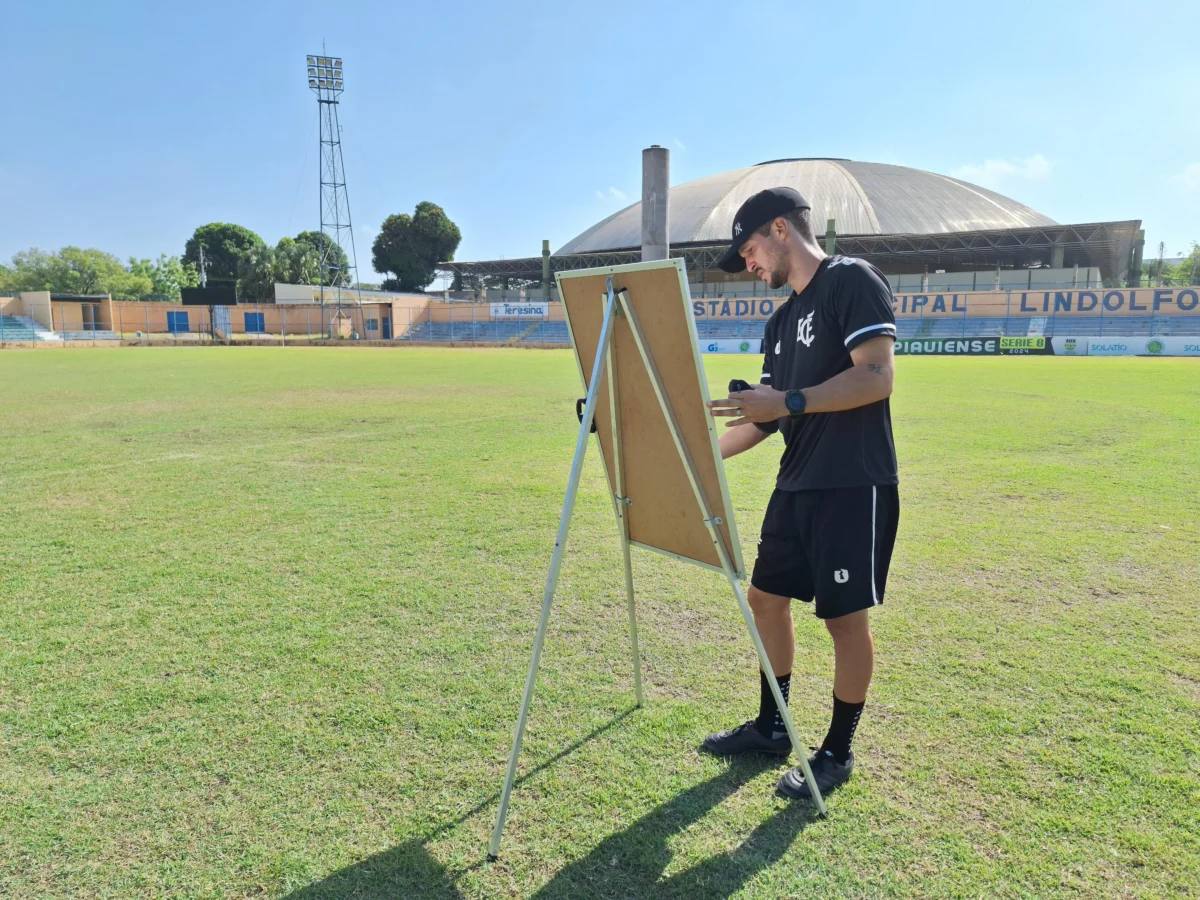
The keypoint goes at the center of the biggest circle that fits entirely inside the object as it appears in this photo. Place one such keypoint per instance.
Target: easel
(618, 306)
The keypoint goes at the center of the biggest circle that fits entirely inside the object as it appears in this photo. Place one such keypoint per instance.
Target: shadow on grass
(629, 863)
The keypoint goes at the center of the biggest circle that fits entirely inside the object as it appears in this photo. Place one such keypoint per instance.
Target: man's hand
(761, 403)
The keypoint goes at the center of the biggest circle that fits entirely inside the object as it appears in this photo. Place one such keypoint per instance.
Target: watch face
(795, 402)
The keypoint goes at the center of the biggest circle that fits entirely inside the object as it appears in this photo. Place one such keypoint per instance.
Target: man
(831, 523)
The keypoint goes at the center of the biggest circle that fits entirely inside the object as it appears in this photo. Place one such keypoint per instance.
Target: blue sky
(133, 123)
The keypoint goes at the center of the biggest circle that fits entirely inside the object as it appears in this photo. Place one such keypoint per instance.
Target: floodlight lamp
(312, 60)
(312, 82)
(338, 85)
(337, 63)
(324, 60)
(312, 71)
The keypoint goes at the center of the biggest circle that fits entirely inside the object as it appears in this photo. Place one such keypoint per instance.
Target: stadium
(963, 261)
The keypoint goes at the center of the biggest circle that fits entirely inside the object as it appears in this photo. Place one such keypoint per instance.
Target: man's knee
(856, 625)
(769, 605)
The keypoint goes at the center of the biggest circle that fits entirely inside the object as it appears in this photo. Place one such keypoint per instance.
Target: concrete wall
(37, 306)
(11, 306)
(67, 315)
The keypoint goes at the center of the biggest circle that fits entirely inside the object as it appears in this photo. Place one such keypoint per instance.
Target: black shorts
(834, 545)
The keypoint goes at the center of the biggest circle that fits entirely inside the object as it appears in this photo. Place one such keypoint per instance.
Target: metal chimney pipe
(656, 182)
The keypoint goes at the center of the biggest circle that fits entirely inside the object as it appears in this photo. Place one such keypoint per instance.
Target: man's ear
(780, 227)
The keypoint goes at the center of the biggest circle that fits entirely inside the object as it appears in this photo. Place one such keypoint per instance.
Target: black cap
(763, 207)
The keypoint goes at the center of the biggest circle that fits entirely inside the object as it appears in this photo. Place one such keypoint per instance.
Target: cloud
(990, 173)
(612, 194)
(680, 145)
(1189, 177)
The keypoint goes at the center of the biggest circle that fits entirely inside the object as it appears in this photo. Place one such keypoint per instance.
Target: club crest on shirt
(804, 332)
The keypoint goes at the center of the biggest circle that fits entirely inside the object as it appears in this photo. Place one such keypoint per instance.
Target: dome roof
(865, 198)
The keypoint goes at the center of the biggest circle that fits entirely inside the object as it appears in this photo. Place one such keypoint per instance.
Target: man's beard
(778, 273)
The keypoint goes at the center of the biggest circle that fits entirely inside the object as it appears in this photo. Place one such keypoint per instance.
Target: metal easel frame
(618, 305)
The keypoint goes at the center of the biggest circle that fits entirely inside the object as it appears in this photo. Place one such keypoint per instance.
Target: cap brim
(731, 261)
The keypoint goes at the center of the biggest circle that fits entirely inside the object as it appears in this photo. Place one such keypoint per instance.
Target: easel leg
(560, 546)
(633, 632)
(621, 506)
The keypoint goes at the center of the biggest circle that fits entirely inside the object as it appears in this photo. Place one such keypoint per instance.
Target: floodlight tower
(325, 80)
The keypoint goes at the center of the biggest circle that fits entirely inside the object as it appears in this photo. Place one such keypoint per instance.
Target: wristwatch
(795, 402)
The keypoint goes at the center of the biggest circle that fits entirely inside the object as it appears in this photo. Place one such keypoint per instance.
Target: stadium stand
(13, 329)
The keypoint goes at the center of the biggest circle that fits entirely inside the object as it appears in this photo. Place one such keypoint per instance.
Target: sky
(134, 123)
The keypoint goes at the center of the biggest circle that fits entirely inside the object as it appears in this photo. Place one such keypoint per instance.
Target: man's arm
(868, 381)
(738, 440)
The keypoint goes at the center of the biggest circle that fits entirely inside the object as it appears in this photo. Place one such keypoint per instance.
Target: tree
(337, 263)
(167, 276)
(1188, 269)
(256, 273)
(410, 247)
(76, 271)
(288, 262)
(222, 244)
(5, 279)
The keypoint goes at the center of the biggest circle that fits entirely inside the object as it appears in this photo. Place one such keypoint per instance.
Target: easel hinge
(624, 500)
(715, 520)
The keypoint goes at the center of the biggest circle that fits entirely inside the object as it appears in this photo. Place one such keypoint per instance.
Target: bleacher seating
(13, 329)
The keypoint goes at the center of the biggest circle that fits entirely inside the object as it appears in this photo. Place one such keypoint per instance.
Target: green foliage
(168, 275)
(73, 270)
(5, 279)
(337, 263)
(1184, 272)
(222, 244)
(1188, 270)
(410, 247)
(288, 262)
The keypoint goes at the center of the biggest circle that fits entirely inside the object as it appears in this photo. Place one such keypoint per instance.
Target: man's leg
(853, 663)
(853, 655)
(765, 733)
(773, 619)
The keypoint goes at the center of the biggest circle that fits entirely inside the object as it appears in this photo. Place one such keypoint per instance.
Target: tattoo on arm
(875, 367)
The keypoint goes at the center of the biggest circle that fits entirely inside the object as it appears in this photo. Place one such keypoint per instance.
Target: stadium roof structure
(900, 219)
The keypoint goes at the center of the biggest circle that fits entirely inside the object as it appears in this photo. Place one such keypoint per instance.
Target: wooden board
(664, 515)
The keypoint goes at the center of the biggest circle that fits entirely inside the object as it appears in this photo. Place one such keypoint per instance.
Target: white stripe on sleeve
(890, 329)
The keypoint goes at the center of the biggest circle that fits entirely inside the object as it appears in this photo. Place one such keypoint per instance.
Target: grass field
(265, 616)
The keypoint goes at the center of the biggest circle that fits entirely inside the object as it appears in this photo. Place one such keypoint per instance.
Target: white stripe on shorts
(874, 504)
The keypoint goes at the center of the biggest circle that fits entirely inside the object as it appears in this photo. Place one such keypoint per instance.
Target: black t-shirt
(807, 341)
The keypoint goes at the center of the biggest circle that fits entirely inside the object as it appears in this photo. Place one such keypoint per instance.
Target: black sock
(841, 728)
(770, 720)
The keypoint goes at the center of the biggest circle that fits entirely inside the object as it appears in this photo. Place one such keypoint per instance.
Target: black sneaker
(746, 738)
(827, 772)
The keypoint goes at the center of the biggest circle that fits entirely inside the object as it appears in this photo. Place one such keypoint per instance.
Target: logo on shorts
(841, 576)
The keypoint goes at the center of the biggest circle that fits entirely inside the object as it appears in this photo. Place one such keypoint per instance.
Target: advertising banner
(1143, 346)
(1010, 346)
(520, 310)
(949, 346)
(750, 345)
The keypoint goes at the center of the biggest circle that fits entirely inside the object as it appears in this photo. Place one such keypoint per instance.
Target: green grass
(265, 616)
